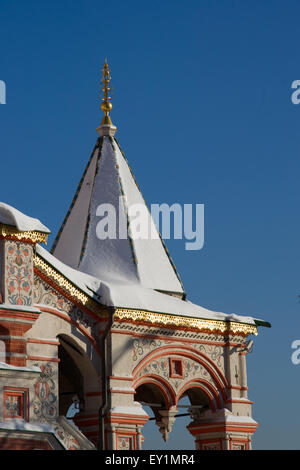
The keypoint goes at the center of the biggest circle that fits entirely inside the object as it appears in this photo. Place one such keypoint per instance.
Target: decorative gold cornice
(60, 280)
(10, 232)
(71, 291)
(143, 316)
(223, 327)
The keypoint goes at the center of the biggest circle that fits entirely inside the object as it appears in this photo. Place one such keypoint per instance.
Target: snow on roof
(17, 424)
(70, 238)
(21, 425)
(11, 216)
(5, 366)
(135, 296)
(109, 180)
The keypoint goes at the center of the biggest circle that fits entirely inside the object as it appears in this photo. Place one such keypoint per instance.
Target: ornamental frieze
(142, 346)
(215, 353)
(43, 294)
(30, 236)
(69, 441)
(45, 403)
(190, 369)
(184, 334)
(222, 327)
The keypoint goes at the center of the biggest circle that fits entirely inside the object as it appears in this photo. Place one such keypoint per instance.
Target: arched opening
(77, 378)
(197, 397)
(153, 396)
(79, 383)
(191, 403)
(179, 438)
(70, 378)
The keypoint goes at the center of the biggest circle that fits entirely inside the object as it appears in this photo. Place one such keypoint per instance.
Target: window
(15, 403)
(176, 368)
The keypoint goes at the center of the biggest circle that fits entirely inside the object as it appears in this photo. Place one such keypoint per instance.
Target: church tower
(102, 323)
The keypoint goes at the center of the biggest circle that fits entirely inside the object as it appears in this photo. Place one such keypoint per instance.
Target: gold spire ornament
(106, 127)
(106, 105)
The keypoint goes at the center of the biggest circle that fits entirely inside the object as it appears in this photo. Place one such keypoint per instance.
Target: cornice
(11, 233)
(200, 324)
(73, 293)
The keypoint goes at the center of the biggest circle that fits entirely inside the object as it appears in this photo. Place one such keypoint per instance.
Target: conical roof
(120, 269)
(108, 183)
(100, 234)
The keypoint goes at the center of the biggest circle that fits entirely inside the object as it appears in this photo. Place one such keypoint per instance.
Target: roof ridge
(79, 186)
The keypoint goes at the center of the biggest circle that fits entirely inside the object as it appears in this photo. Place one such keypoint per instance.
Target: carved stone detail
(165, 420)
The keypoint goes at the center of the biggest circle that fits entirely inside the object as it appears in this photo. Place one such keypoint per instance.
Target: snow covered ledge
(37, 436)
(23, 223)
(15, 225)
(59, 435)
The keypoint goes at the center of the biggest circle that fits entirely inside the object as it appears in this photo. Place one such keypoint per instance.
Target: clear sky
(202, 102)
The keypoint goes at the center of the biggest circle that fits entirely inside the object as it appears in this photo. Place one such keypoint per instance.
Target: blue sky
(202, 102)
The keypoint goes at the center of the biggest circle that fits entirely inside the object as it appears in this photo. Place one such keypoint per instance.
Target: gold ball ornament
(106, 106)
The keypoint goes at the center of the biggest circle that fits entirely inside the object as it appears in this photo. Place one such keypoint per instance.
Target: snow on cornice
(114, 294)
(11, 216)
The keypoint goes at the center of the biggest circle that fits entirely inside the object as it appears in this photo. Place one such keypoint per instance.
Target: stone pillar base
(123, 427)
(224, 431)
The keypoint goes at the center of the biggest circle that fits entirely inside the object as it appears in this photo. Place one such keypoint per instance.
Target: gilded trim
(123, 314)
(63, 283)
(224, 327)
(7, 231)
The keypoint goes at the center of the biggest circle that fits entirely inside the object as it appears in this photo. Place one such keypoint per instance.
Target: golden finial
(106, 105)
(106, 127)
